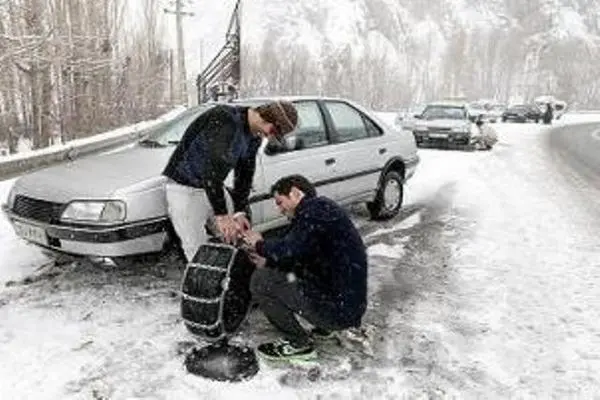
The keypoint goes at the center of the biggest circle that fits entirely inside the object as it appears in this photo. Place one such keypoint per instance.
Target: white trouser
(189, 209)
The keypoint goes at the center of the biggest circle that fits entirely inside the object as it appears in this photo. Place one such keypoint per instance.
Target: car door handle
(383, 150)
(330, 161)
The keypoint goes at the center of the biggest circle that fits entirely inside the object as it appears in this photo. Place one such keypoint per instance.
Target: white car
(445, 123)
(113, 205)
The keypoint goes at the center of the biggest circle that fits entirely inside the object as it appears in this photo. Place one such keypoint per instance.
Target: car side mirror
(291, 142)
(276, 147)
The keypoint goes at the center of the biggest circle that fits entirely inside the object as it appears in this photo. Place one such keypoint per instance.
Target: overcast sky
(204, 33)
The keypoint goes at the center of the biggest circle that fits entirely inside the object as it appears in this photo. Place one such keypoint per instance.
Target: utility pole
(179, 14)
(171, 79)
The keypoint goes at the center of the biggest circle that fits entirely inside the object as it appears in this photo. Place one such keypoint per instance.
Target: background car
(445, 123)
(495, 111)
(522, 113)
(113, 205)
(477, 110)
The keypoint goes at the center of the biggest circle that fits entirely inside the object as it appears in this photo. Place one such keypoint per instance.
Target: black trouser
(281, 300)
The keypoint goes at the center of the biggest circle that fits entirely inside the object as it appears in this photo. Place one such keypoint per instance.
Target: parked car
(495, 111)
(445, 123)
(113, 205)
(522, 113)
(477, 110)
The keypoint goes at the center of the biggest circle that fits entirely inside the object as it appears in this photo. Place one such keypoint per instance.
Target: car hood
(442, 123)
(98, 176)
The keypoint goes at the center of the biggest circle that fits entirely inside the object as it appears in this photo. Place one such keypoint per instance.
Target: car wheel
(389, 197)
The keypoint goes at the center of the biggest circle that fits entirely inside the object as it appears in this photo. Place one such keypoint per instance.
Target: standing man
(318, 270)
(222, 139)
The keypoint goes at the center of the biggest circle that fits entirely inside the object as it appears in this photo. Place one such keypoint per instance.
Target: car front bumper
(441, 137)
(90, 240)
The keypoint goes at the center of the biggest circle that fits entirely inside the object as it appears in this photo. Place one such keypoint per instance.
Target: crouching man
(318, 270)
(487, 137)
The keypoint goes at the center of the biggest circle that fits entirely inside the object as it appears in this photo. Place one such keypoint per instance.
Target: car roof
(448, 103)
(291, 98)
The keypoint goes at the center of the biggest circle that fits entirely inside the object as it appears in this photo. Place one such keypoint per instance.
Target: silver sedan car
(113, 205)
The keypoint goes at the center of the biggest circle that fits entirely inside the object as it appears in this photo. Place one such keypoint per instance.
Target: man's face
(268, 129)
(287, 204)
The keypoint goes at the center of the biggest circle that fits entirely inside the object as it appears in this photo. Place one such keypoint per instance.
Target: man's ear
(296, 193)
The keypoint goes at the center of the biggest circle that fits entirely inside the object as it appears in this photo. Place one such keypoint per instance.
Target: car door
(311, 158)
(360, 151)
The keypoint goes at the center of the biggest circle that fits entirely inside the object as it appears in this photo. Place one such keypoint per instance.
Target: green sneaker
(284, 350)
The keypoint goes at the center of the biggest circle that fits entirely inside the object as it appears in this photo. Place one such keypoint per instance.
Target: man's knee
(261, 283)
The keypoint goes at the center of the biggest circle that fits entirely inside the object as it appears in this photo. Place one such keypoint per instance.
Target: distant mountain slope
(386, 53)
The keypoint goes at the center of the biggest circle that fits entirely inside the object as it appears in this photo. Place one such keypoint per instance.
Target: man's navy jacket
(325, 250)
(218, 141)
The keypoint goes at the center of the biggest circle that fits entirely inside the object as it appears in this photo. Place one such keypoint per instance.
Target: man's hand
(228, 227)
(242, 222)
(251, 238)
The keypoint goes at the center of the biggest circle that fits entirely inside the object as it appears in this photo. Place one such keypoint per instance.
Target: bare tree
(72, 68)
(432, 52)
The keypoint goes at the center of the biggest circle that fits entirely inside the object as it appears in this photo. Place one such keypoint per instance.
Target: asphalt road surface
(579, 145)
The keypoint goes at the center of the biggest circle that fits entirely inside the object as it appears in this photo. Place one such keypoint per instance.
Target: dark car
(522, 113)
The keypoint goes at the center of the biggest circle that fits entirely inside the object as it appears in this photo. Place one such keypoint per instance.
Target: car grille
(38, 210)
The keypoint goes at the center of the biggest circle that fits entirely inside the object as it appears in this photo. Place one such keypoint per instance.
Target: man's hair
(281, 113)
(284, 186)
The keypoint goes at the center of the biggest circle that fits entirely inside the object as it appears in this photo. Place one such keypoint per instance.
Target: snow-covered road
(485, 286)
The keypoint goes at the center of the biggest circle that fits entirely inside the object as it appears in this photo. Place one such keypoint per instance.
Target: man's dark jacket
(325, 250)
(218, 141)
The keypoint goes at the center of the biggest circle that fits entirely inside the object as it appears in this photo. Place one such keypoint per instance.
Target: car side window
(348, 122)
(310, 131)
(372, 129)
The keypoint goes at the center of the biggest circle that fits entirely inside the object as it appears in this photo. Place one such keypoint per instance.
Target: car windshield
(518, 108)
(444, 112)
(476, 106)
(171, 133)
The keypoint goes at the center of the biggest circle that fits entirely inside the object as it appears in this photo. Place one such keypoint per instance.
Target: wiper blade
(173, 141)
(151, 143)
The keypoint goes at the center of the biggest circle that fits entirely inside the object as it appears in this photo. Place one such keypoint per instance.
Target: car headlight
(421, 128)
(95, 211)
(10, 200)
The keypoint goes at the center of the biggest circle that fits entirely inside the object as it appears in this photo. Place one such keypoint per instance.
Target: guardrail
(18, 164)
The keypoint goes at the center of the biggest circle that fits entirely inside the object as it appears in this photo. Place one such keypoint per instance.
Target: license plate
(31, 232)
(438, 135)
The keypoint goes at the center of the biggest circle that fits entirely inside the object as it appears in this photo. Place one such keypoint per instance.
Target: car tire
(389, 197)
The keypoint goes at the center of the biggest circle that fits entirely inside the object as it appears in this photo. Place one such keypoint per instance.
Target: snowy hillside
(413, 50)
